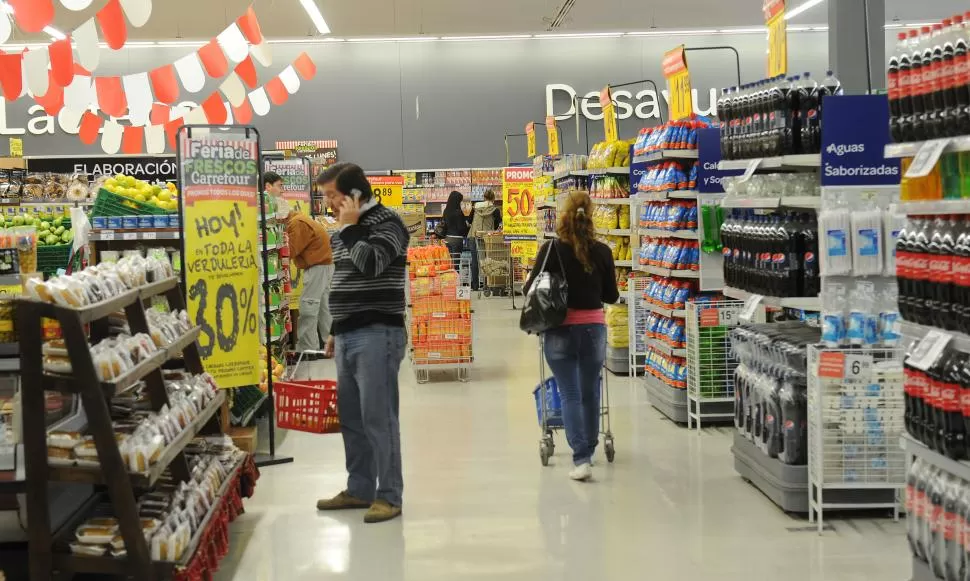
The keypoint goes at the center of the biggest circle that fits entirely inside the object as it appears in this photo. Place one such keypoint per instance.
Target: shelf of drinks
(804, 202)
(667, 195)
(666, 349)
(911, 445)
(613, 201)
(138, 235)
(911, 148)
(917, 331)
(669, 272)
(779, 162)
(662, 154)
(802, 303)
(614, 231)
(682, 234)
(935, 207)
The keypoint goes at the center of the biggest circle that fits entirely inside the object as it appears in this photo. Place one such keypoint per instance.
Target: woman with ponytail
(576, 350)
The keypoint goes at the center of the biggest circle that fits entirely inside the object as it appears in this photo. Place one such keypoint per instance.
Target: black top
(456, 224)
(587, 290)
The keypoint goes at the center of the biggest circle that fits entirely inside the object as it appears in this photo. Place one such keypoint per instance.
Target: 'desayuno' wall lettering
(647, 106)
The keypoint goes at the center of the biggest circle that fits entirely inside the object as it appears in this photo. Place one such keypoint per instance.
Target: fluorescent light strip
(485, 37)
(396, 39)
(180, 43)
(808, 4)
(581, 35)
(315, 16)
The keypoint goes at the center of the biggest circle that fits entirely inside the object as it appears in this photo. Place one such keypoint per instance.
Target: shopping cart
(307, 405)
(549, 410)
(494, 262)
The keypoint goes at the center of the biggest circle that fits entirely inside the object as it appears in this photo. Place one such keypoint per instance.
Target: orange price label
(678, 83)
(609, 114)
(530, 136)
(552, 135)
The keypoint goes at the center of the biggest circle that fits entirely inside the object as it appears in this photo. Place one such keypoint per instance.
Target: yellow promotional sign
(16, 147)
(678, 83)
(609, 115)
(389, 190)
(220, 224)
(525, 250)
(552, 135)
(518, 203)
(530, 138)
(777, 37)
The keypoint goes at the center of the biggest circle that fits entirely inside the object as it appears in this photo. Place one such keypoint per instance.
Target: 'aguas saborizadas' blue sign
(855, 131)
(708, 156)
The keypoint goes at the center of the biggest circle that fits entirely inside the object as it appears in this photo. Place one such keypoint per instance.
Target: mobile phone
(356, 193)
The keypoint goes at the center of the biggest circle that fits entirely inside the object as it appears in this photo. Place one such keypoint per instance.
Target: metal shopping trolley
(494, 262)
(549, 410)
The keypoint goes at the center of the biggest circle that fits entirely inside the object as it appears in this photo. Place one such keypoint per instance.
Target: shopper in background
(368, 339)
(273, 183)
(576, 350)
(310, 251)
(456, 224)
(486, 218)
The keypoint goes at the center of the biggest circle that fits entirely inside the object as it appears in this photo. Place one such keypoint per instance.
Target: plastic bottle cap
(925, 29)
(947, 22)
(937, 27)
(958, 19)
(913, 33)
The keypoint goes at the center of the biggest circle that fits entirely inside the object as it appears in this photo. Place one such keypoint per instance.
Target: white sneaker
(581, 472)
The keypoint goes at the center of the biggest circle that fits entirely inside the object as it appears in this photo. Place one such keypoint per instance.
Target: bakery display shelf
(934, 207)
(662, 154)
(613, 201)
(147, 479)
(106, 307)
(803, 303)
(671, 272)
(614, 231)
(71, 384)
(108, 565)
(911, 148)
(780, 162)
(138, 235)
(670, 401)
(771, 203)
(666, 349)
(682, 234)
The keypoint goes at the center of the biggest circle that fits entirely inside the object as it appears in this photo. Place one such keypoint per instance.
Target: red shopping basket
(307, 406)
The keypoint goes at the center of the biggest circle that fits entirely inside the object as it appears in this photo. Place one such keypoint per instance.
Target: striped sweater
(369, 275)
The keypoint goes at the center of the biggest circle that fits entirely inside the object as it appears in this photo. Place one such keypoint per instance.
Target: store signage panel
(552, 135)
(524, 250)
(777, 37)
(220, 223)
(678, 83)
(296, 181)
(709, 156)
(854, 135)
(518, 203)
(609, 115)
(146, 168)
(530, 138)
(388, 189)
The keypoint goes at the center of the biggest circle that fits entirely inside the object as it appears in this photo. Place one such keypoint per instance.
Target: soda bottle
(808, 113)
(915, 124)
(937, 545)
(960, 116)
(905, 84)
(950, 413)
(919, 272)
(793, 138)
(830, 87)
(940, 273)
(911, 383)
(960, 267)
(952, 531)
(903, 276)
(894, 89)
(934, 86)
(914, 478)
(947, 77)
(924, 508)
(932, 401)
(926, 86)
(810, 285)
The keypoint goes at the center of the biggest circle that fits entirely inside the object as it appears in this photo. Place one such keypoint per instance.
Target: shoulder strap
(562, 266)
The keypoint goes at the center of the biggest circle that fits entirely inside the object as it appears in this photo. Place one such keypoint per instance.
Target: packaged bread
(86, 550)
(92, 535)
(64, 440)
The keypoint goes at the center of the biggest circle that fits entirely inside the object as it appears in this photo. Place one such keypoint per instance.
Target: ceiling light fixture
(486, 37)
(316, 16)
(180, 43)
(581, 35)
(54, 33)
(808, 4)
(396, 39)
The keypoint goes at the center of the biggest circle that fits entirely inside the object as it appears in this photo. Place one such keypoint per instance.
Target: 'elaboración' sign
(220, 201)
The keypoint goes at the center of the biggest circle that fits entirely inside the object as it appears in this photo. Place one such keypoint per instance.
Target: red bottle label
(936, 517)
(933, 393)
(949, 526)
(940, 269)
(950, 397)
(892, 86)
(919, 266)
(965, 401)
(903, 264)
(960, 266)
(961, 69)
(947, 72)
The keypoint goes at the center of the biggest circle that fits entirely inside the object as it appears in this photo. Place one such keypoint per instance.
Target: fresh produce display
(264, 372)
(164, 197)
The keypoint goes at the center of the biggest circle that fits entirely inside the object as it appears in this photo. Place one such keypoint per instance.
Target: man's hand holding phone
(349, 210)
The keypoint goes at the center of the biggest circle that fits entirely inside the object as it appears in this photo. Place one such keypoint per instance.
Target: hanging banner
(530, 139)
(552, 135)
(678, 83)
(389, 190)
(220, 222)
(854, 138)
(518, 203)
(296, 181)
(777, 37)
(609, 115)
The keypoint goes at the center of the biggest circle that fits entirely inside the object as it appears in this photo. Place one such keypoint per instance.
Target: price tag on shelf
(858, 367)
(107, 235)
(149, 236)
(438, 315)
(750, 307)
(929, 349)
(451, 336)
(129, 236)
(463, 293)
(729, 316)
(927, 156)
(749, 171)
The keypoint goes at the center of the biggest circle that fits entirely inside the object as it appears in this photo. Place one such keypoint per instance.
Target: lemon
(140, 197)
(165, 196)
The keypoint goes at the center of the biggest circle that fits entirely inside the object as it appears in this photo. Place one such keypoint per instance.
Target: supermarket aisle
(478, 504)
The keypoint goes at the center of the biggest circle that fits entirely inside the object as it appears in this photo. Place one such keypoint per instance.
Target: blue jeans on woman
(575, 354)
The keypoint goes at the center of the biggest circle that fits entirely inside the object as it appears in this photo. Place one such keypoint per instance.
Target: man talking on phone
(368, 341)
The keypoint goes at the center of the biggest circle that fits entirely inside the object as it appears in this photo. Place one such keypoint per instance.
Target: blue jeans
(575, 354)
(368, 360)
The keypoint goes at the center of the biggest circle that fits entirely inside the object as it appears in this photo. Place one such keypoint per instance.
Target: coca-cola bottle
(903, 277)
(960, 115)
(935, 108)
(960, 268)
(893, 88)
(932, 424)
(906, 110)
(937, 554)
(940, 277)
(950, 412)
(914, 478)
(947, 77)
(952, 530)
(910, 383)
(919, 271)
(914, 125)
(923, 125)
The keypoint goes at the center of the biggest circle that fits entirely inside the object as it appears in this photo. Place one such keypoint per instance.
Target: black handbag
(440, 229)
(546, 302)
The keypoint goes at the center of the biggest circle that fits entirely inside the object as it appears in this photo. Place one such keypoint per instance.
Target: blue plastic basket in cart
(550, 388)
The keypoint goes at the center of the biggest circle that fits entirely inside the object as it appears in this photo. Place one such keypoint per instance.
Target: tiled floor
(479, 505)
